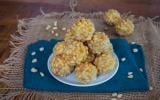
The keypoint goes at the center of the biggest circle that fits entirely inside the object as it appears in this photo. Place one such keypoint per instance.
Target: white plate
(71, 79)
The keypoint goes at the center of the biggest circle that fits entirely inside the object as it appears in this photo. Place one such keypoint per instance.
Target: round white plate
(71, 79)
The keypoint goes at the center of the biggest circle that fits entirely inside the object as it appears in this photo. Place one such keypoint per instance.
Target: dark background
(10, 9)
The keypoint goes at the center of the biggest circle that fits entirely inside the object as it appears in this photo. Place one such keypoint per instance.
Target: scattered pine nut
(130, 76)
(54, 28)
(41, 49)
(34, 60)
(123, 59)
(56, 34)
(33, 70)
(141, 69)
(42, 74)
(33, 53)
(133, 42)
(119, 95)
(55, 23)
(135, 50)
(63, 28)
(48, 27)
(130, 73)
(150, 88)
(114, 94)
(52, 32)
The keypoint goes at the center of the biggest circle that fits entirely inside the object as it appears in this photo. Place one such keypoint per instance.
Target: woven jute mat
(147, 33)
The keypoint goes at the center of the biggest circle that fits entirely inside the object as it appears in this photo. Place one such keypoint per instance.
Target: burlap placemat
(147, 33)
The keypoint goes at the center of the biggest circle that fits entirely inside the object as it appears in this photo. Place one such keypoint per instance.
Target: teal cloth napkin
(39, 52)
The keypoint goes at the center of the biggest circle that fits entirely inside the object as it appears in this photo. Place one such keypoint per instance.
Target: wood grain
(11, 9)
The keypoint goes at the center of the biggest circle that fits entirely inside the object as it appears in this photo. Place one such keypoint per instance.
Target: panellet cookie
(100, 43)
(124, 27)
(112, 16)
(86, 72)
(59, 48)
(78, 51)
(105, 63)
(81, 30)
(73, 51)
(60, 66)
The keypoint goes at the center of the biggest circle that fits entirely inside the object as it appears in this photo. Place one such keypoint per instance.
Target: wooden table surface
(11, 9)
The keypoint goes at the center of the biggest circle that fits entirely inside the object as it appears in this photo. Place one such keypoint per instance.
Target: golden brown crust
(60, 66)
(124, 27)
(86, 72)
(74, 52)
(112, 16)
(105, 63)
(82, 30)
(59, 48)
(100, 43)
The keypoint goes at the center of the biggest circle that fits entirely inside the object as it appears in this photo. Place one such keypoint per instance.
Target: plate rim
(81, 85)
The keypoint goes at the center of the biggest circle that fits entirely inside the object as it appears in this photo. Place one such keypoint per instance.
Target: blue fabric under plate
(135, 62)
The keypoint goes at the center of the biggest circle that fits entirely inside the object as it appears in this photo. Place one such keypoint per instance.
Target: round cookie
(124, 27)
(105, 63)
(112, 16)
(86, 72)
(100, 43)
(60, 66)
(73, 51)
(81, 30)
